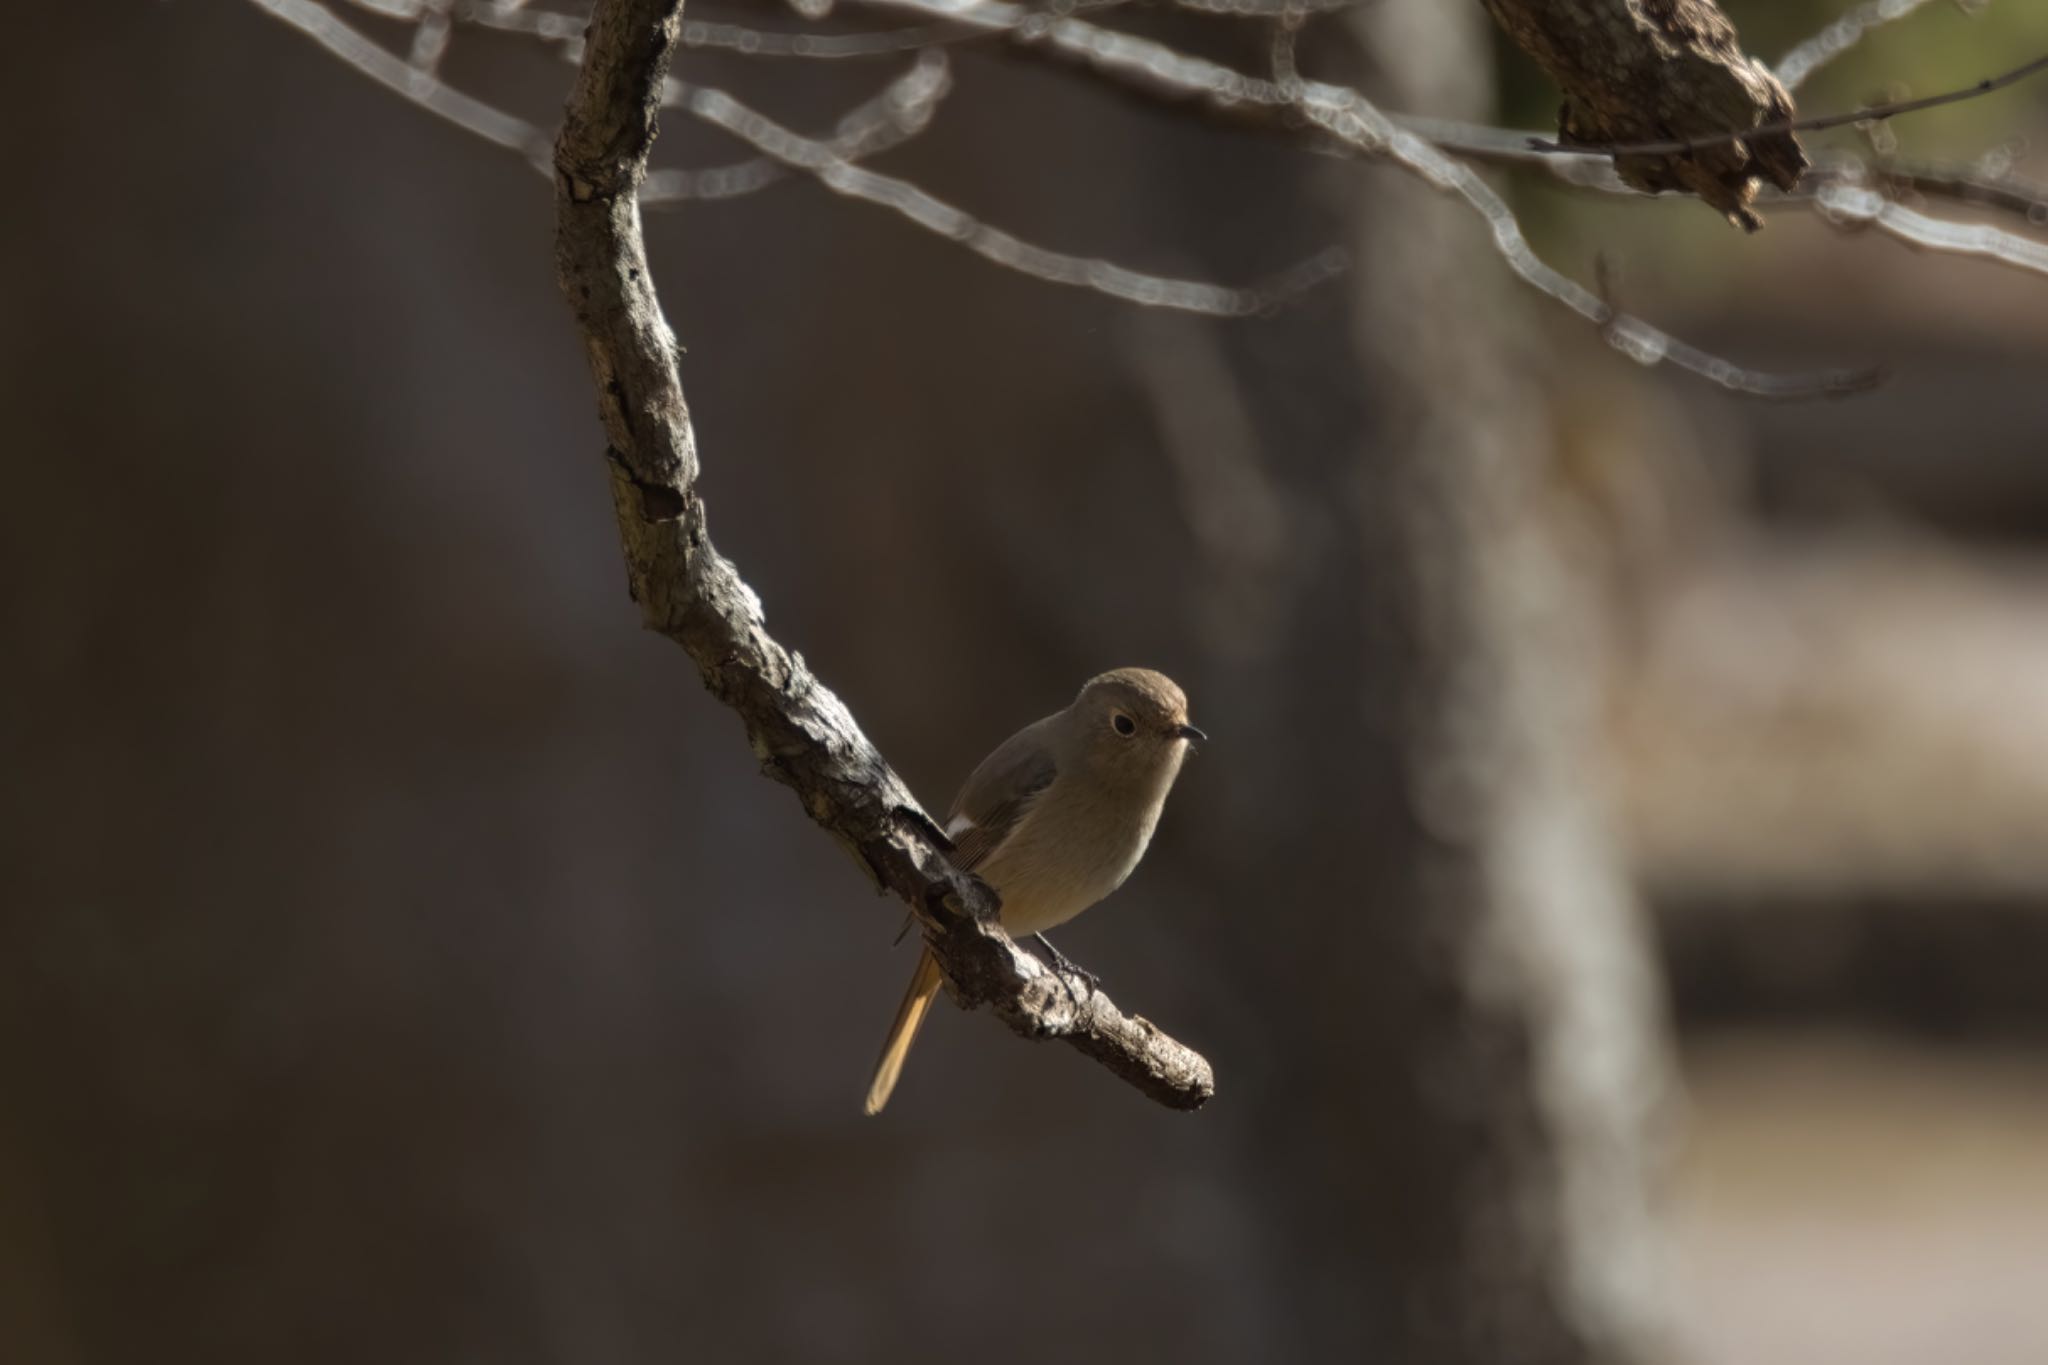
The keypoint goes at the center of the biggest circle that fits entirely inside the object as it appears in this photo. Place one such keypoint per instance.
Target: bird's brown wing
(999, 793)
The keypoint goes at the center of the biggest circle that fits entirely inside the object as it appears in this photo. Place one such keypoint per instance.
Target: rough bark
(804, 735)
(1655, 70)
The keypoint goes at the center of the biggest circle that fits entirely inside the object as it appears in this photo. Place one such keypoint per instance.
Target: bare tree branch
(758, 42)
(1991, 186)
(421, 87)
(1868, 114)
(803, 734)
(1358, 122)
(1979, 185)
(935, 215)
(1363, 129)
(1162, 72)
(1831, 42)
(1634, 74)
(900, 112)
(1858, 206)
(862, 132)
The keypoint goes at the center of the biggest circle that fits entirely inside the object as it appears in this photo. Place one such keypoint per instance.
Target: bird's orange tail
(917, 1002)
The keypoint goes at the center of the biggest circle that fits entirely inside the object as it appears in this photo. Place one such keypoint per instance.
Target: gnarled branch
(1640, 73)
(803, 734)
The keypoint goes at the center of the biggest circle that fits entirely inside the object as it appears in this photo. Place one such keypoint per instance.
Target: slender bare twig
(830, 162)
(1871, 113)
(805, 735)
(1356, 120)
(1841, 190)
(1964, 184)
(1844, 33)
(1975, 184)
(423, 88)
(900, 112)
(1358, 125)
(1858, 206)
(1163, 71)
(935, 215)
(430, 39)
(1283, 49)
(758, 42)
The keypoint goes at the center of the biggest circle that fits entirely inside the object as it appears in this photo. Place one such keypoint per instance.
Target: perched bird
(1055, 819)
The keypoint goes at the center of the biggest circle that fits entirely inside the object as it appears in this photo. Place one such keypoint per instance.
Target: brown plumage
(1055, 819)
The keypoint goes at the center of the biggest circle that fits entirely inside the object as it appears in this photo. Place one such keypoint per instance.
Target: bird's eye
(1124, 724)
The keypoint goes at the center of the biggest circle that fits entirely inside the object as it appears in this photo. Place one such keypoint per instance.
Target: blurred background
(1614, 901)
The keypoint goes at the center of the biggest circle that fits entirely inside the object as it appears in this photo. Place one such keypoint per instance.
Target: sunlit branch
(1856, 206)
(899, 113)
(905, 109)
(1435, 150)
(935, 215)
(1868, 114)
(2001, 190)
(1970, 184)
(422, 87)
(1359, 125)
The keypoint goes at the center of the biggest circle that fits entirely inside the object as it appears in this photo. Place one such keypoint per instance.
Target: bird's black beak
(1189, 732)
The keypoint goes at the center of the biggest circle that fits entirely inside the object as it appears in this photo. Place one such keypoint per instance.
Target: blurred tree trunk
(1486, 967)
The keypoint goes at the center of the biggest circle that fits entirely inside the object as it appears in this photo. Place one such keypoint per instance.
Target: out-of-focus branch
(1858, 206)
(1848, 191)
(1632, 73)
(420, 86)
(1977, 184)
(1286, 105)
(751, 41)
(1831, 42)
(935, 215)
(1361, 128)
(803, 734)
(900, 112)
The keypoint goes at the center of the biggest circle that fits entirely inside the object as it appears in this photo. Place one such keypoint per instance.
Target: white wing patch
(959, 825)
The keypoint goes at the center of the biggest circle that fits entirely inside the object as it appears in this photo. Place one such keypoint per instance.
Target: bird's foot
(1065, 965)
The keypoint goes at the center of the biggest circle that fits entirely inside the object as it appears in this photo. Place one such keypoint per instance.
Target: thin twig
(831, 163)
(1857, 206)
(1674, 146)
(900, 112)
(1994, 189)
(1841, 190)
(1284, 47)
(720, 109)
(1162, 71)
(1360, 126)
(1831, 42)
(1357, 121)
(423, 88)
(1963, 184)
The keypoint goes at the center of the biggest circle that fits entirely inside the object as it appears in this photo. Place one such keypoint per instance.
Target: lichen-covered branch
(1637, 71)
(804, 736)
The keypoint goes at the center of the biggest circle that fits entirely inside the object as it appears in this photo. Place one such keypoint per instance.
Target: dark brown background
(402, 959)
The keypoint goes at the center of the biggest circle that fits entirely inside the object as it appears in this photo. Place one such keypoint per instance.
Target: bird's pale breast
(1067, 853)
